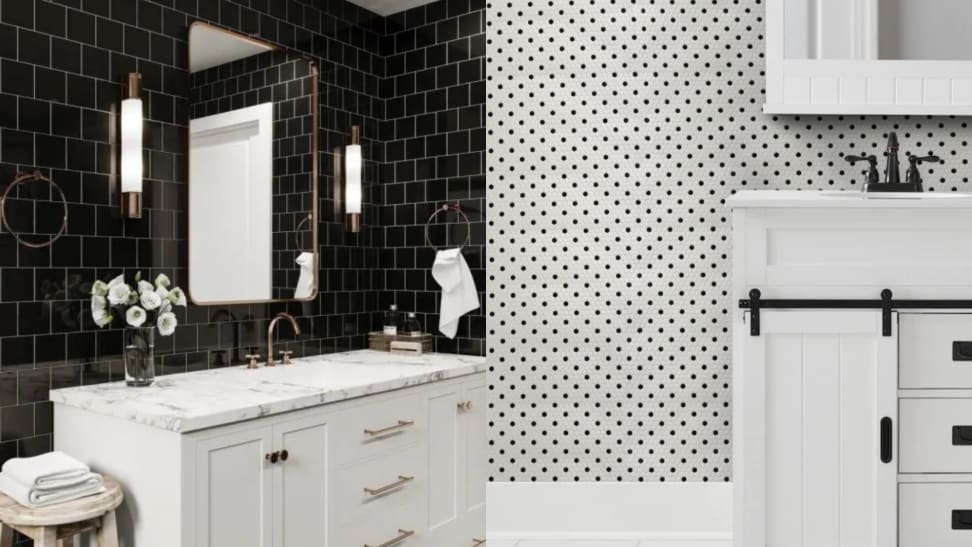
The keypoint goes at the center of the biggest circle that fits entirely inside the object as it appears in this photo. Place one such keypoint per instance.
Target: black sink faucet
(892, 174)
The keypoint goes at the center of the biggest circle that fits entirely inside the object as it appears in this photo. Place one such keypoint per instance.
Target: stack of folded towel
(49, 478)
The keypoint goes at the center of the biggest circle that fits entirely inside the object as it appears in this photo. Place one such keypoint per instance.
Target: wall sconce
(131, 147)
(353, 166)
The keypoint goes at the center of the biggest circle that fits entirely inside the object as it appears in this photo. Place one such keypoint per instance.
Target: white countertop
(849, 199)
(198, 400)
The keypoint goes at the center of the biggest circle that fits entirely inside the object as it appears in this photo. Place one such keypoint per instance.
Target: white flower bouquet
(143, 305)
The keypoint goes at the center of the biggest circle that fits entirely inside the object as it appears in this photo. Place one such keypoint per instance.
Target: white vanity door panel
(301, 483)
(829, 379)
(233, 501)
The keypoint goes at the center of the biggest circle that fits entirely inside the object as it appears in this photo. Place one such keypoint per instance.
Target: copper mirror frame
(315, 152)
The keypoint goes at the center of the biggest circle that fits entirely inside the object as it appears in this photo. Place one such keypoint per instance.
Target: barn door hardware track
(886, 304)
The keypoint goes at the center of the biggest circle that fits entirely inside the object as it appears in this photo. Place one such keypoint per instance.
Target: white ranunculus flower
(177, 297)
(119, 294)
(98, 303)
(150, 300)
(99, 288)
(135, 316)
(162, 280)
(144, 287)
(120, 280)
(167, 323)
(101, 317)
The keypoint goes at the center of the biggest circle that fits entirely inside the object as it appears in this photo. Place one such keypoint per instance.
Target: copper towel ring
(446, 208)
(38, 177)
(299, 236)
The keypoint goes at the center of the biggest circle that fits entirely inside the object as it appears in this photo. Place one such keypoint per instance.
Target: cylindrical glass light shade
(131, 145)
(352, 173)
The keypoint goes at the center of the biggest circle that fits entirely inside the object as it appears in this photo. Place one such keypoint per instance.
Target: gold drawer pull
(478, 542)
(402, 424)
(402, 481)
(402, 536)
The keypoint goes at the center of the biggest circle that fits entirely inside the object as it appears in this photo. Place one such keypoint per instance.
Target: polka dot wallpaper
(615, 132)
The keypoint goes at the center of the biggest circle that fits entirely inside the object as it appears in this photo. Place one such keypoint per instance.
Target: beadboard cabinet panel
(822, 435)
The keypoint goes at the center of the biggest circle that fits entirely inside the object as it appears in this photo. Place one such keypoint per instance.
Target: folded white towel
(48, 471)
(34, 497)
(459, 295)
(305, 283)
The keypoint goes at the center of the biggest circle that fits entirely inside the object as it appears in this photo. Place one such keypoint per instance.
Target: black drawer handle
(961, 351)
(886, 441)
(961, 435)
(961, 519)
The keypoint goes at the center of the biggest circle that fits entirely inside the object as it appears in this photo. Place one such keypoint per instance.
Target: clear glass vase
(139, 356)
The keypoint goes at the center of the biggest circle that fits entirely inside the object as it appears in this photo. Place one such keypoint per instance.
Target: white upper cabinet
(868, 57)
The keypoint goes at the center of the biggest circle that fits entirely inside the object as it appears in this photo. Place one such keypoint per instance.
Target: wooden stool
(58, 525)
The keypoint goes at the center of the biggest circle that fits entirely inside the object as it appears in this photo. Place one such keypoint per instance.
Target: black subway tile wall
(414, 82)
(435, 154)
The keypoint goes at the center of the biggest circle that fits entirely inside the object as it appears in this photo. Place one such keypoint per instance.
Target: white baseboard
(670, 512)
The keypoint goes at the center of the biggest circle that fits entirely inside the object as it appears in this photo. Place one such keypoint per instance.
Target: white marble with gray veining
(198, 400)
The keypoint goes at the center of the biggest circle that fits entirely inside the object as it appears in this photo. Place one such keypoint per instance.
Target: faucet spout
(270, 330)
(892, 172)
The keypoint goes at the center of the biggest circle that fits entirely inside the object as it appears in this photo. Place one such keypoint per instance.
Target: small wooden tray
(381, 342)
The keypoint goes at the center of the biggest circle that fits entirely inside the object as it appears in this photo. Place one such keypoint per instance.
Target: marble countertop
(850, 199)
(198, 400)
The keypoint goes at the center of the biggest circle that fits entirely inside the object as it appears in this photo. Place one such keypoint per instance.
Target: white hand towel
(459, 295)
(47, 471)
(305, 283)
(33, 497)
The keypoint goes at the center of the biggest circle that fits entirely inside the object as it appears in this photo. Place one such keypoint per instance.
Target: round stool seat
(69, 512)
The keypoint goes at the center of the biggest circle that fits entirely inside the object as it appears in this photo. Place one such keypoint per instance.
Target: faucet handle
(254, 359)
(914, 177)
(872, 173)
(285, 356)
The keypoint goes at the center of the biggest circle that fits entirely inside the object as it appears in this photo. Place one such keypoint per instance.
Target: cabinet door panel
(474, 463)
(474, 431)
(301, 483)
(233, 490)
(444, 465)
(828, 380)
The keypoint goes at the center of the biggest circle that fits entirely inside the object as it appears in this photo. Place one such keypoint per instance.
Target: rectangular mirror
(891, 30)
(868, 57)
(252, 170)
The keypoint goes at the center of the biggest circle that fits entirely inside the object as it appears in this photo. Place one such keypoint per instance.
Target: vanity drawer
(938, 515)
(396, 500)
(935, 350)
(380, 427)
(935, 436)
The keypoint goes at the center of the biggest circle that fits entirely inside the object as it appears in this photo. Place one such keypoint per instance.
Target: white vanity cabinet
(244, 499)
(406, 463)
(852, 427)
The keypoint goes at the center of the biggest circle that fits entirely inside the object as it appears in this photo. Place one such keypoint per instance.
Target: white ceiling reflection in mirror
(213, 47)
(388, 7)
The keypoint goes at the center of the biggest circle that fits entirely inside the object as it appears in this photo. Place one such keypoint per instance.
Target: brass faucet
(273, 324)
